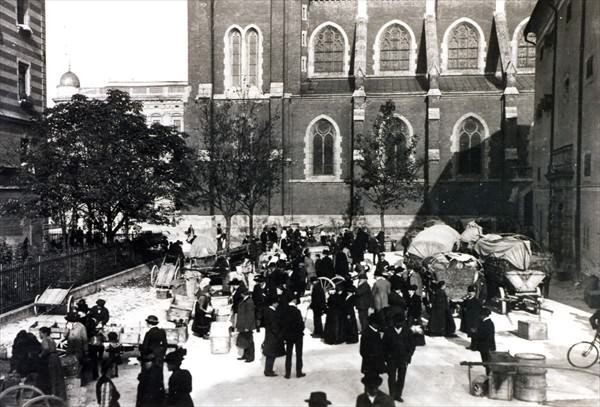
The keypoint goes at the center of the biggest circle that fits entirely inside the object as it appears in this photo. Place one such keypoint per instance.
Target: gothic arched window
(252, 57)
(235, 47)
(525, 54)
(463, 47)
(395, 49)
(329, 51)
(396, 151)
(323, 137)
(470, 149)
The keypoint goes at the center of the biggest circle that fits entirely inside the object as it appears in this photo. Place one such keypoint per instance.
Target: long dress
(334, 324)
(180, 387)
(51, 377)
(203, 315)
(350, 324)
(439, 313)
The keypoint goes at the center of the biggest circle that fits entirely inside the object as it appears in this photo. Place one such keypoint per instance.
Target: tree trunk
(251, 222)
(227, 234)
(382, 219)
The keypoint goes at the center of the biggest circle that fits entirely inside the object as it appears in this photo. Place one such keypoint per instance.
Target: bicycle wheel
(582, 354)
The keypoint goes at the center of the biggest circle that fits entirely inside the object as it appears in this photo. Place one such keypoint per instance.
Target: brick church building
(460, 73)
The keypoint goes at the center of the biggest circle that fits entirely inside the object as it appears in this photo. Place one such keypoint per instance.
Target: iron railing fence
(20, 283)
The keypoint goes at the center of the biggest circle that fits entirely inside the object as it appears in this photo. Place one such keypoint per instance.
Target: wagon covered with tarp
(458, 270)
(510, 278)
(435, 239)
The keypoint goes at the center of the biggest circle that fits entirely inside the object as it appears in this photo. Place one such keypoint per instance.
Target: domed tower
(67, 86)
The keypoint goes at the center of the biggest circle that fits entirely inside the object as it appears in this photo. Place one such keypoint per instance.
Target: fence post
(39, 273)
(1, 289)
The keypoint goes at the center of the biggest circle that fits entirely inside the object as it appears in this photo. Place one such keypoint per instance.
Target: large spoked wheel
(70, 304)
(19, 395)
(153, 275)
(36, 309)
(46, 401)
(582, 354)
(338, 279)
(327, 284)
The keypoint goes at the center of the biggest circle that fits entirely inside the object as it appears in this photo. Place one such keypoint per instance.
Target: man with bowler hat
(151, 387)
(485, 337)
(155, 341)
(373, 397)
(293, 335)
(318, 305)
(371, 349)
(398, 346)
(318, 399)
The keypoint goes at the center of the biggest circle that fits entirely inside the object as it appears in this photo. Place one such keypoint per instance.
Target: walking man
(245, 323)
(381, 291)
(485, 337)
(318, 304)
(293, 333)
(399, 346)
(373, 397)
(371, 349)
(273, 346)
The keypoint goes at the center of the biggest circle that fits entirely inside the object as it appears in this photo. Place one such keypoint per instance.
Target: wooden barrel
(530, 382)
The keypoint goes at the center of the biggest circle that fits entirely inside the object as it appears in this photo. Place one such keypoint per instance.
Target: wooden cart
(163, 276)
(56, 299)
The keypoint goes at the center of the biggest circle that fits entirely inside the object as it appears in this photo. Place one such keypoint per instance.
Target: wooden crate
(500, 386)
(532, 330)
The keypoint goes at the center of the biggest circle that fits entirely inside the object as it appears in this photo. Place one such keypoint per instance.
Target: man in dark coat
(399, 346)
(292, 325)
(326, 266)
(273, 346)
(259, 297)
(245, 324)
(99, 312)
(371, 349)
(373, 397)
(414, 306)
(470, 311)
(364, 301)
(318, 305)
(151, 387)
(485, 337)
(155, 342)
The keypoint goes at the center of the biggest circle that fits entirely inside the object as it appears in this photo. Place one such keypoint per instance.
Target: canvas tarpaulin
(433, 240)
(516, 251)
(201, 246)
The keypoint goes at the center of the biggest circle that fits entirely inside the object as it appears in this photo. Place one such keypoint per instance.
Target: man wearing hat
(259, 297)
(381, 291)
(373, 397)
(485, 337)
(318, 399)
(398, 346)
(364, 300)
(151, 387)
(470, 311)
(77, 341)
(292, 325)
(99, 312)
(245, 323)
(155, 341)
(371, 349)
(414, 306)
(318, 305)
(325, 267)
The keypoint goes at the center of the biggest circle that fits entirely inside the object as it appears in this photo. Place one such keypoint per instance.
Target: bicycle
(584, 354)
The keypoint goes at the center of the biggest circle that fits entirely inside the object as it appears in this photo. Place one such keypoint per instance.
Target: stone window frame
(455, 147)
(308, 152)
(481, 52)
(177, 116)
(514, 46)
(377, 51)
(229, 90)
(27, 83)
(311, 53)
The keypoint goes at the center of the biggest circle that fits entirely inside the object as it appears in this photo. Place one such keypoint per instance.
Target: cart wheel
(503, 301)
(338, 279)
(327, 284)
(153, 275)
(19, 394)
(479, 386)
(70, 303)
(36, 310)
(193, 313)
(45, 401)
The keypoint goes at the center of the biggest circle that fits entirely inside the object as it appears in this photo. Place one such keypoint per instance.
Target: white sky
(116, 40)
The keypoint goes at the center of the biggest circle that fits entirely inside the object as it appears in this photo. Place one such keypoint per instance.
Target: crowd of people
(265, 290)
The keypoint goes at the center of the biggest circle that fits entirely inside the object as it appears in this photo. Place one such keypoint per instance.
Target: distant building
(565, 143)
(162, 101)
(22, 95)
(460, 73)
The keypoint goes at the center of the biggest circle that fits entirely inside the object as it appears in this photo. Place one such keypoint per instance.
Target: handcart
(56, 299)
(163, 276)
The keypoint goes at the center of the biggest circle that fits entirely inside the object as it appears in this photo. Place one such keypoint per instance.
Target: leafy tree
(98, 160)
(388, 170)
(240, 166)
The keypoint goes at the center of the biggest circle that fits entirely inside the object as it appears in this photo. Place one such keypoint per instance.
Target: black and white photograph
(299, 203)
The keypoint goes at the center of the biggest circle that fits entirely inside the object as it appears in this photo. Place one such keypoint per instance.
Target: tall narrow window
(463, 47)
(23, 81)
(395, 49)
(23, 12)
(526, 54)
(323, 138)
(470, 152)
(252, 57)
(329, 51)
(235, 42)
(396, 152)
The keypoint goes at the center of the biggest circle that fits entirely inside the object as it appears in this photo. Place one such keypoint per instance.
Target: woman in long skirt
(334, 324)
(203, 316)
(51, 378)
(350, 324)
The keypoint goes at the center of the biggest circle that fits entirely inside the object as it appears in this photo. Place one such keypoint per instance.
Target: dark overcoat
(485, 336)
(246, 316)
(398, 348)
(371, 350)
(381, 400)
(470, 312)
(364, 296)
(151, 389)
(155, 341)
(273, 344)
(180, 387)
